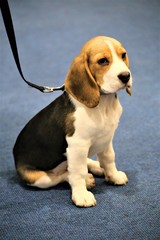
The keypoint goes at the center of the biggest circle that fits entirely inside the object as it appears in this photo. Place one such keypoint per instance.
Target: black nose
(124, 76)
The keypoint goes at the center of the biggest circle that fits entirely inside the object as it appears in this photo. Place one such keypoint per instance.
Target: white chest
(96, 126)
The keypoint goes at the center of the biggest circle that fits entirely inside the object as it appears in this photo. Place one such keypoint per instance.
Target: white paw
(90, 181)
(83, 199)
(118, 178)
(94, 167)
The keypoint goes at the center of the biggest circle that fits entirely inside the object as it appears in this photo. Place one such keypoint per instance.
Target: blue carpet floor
(49, 34)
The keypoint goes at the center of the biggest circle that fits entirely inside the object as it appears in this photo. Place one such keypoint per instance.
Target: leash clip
(48, 89)
(52, 89)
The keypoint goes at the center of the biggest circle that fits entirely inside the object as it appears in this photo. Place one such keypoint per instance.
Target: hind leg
(44, 179)
(49, 180)
(53, 177)
(90, 181)
(94, 167)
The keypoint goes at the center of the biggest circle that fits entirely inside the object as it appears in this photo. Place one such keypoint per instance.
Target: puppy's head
(101, 66)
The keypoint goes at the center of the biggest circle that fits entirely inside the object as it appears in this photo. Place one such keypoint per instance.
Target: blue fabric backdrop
(49, 35)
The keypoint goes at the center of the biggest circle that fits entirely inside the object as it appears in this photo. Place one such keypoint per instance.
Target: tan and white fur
(93, 80)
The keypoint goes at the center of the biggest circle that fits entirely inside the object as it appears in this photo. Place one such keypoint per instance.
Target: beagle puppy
(56, 145)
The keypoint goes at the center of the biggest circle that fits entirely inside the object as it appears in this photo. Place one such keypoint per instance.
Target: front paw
(118, 178)
(83, 198)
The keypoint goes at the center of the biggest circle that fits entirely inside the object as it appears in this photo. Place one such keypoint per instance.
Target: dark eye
(103, 61)
(124, 55)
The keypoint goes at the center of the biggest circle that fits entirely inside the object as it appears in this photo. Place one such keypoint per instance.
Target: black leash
(6, 14)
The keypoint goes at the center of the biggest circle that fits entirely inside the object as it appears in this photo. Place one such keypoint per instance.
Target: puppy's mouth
(128, 89)
(104, 92)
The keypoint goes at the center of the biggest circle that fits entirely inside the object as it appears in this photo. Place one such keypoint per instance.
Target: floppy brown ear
(81, 84)
(127, 61)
